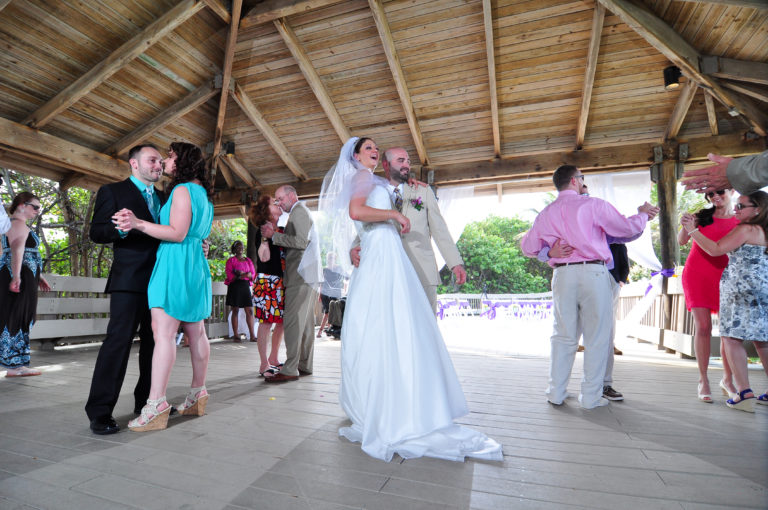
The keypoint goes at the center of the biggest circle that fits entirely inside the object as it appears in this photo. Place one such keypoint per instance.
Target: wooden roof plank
(114, 62)
(682, 54)
(732, 69)
(380, 17)
(226, 76)
(589, 73)
(313, 79)
(220, 10)
(274, 140)
(271, 10)
(757, 4)
(748, 90)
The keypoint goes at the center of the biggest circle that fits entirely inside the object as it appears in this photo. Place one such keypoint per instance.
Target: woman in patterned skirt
(743, 291)
(268, 289)
(20, 277)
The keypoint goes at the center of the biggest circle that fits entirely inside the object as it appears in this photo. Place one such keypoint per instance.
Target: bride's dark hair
(359, 144)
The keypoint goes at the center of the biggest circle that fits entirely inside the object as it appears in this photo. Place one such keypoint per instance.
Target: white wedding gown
(398, 384)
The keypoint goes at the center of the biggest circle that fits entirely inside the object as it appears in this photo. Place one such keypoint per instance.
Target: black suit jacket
(134, 255)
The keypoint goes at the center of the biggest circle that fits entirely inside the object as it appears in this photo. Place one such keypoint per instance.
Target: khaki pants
(299, 327)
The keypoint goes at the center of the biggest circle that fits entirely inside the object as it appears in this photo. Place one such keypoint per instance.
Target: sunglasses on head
(33, 206)
(743, 206)
(720, 192)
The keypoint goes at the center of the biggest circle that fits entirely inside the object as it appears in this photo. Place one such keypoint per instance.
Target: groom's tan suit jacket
(427, 224)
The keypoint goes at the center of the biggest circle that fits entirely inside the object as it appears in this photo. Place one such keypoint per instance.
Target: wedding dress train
(399, 386)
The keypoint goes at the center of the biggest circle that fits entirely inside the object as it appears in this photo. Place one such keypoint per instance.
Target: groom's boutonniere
(417, 203)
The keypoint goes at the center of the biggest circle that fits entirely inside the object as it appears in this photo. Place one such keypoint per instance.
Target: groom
(419, 205)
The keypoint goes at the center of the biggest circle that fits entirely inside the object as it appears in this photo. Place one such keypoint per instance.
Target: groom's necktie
(149, 198)
(398, 199)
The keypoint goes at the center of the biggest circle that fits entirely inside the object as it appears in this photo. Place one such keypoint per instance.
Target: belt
(600, 262)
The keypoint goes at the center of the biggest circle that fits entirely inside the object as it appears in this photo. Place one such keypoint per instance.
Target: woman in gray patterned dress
(743, 291)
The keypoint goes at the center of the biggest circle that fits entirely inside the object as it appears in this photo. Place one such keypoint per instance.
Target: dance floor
(275, 446)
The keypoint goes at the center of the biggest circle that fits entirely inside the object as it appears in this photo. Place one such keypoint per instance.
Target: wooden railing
(77, 311)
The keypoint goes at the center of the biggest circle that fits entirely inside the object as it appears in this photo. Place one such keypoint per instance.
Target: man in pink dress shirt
(581, 284)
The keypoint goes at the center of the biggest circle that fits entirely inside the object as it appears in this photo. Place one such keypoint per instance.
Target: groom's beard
(399, 177)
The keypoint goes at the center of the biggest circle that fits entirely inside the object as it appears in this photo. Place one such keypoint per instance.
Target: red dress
(702, 272)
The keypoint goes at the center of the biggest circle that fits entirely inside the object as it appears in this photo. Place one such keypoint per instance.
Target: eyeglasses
(720, 192)
(580, 176)
(33, 206)
(739, 207)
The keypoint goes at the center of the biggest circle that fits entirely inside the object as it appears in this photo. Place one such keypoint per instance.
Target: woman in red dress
(701, 284)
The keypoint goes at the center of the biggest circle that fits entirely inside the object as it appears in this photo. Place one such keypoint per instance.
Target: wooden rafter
(313, 79)
(170, 114)
(681, 110)
(4, 4)
(732, 69)
(239, 169)
(55, 151)
(222, 167)
(711, 114)
(271, 10)
(672, 45)
(272, 138)
(748, 90)
(380, 17)
(226, 77)
(491, 55)
(219, 9)
(598, 18)
(114, 62)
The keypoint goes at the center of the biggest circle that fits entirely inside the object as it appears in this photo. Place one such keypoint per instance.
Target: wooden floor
(268, 447)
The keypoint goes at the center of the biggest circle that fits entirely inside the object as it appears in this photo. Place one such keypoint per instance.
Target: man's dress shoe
(104, 426)
(279, 378)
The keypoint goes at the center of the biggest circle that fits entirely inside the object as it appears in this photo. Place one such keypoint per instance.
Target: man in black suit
(134, 259)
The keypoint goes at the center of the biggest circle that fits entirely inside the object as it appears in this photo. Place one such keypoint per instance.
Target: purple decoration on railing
(667, 273)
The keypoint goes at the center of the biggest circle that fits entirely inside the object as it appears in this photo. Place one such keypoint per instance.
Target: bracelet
(692, 231)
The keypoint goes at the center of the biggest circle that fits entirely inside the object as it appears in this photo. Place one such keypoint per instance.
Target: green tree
(494, 262)
(223, 234)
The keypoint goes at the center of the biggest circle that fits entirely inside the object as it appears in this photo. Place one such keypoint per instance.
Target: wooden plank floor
(263, 446)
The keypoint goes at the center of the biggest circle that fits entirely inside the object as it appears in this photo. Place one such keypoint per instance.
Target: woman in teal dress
(180, 286)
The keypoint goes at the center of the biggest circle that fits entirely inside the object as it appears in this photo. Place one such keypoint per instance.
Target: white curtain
(626, 191)
(454, 204)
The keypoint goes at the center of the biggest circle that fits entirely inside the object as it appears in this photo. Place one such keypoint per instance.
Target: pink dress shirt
(582, 222)
(244, 266)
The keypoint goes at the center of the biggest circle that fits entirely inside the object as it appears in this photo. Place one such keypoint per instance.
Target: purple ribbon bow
(667, 273)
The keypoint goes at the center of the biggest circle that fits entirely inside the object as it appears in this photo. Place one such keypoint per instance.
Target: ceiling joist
(491, 57)
(271, 10)
(255, 116)
(220, 10)
(380, 17)
(732, 69)
(672, 45)
(131, 49)
(682, 106)
(226, 77)
(759, 93)
(711, 114)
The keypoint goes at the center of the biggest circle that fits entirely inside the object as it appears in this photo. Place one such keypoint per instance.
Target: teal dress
(181, 280)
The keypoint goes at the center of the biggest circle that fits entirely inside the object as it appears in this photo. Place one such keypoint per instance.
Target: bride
(398, 384)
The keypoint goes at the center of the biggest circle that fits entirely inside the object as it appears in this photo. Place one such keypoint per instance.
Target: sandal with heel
(746, 404)
(704, 397)
(194, 403)
(151, 417)
(762, 399)
(728, 393)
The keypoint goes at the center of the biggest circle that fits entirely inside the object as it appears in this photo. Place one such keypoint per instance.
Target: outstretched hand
(125, 220)
(711, 178)
(688, 221)
(650, 210)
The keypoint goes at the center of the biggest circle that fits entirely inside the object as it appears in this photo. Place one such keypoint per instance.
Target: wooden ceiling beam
(43, 146)
(711, 114)
(220, 10)
(255, 116)
(4, 4)
(271, 10)
(131, 49)
(598, 18)
(492, 84)
(226, 173)
(313, 79)
(380, 17)
(732, 69)
(237, 167)
(681, 53)
(226, 77)
(759, 93)
(199, 96)
(682, 106)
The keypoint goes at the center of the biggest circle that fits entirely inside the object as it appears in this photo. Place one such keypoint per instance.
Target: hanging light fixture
(229, 149)
(671, 77)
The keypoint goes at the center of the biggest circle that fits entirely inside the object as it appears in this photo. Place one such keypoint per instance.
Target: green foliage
(223, 234)
(494, 262)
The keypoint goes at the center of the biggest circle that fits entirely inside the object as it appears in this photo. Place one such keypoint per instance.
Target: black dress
(17, 310)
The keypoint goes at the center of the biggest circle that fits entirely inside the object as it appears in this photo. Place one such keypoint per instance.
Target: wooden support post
(670, 253)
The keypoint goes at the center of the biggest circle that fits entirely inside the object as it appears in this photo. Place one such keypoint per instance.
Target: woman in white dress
(398, 384)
